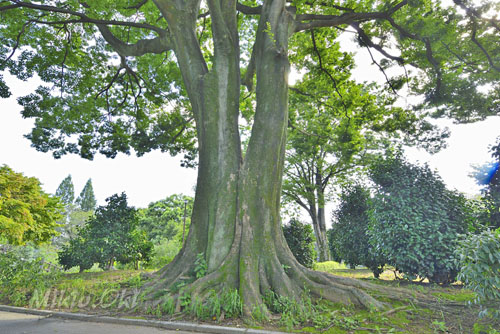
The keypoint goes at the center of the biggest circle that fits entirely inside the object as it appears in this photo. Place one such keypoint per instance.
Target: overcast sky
(157, 175)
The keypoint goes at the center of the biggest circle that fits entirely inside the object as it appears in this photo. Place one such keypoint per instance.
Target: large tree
(134, 74)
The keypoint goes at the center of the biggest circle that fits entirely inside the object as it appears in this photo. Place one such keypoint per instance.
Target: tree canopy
(27, 213)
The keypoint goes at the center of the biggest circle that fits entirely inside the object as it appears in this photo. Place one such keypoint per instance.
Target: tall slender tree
(126, 74)
(66, 191)
(86, 200)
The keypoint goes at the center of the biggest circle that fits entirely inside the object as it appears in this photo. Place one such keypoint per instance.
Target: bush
(164, 252)
(112, 234)
(479, 257)
(77, 253)
(300, 240)
(415, 220)
(21, 274)
(349, 238)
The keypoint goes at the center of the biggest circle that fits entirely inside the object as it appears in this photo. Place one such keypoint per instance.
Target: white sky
(157, 175)
(149, 178)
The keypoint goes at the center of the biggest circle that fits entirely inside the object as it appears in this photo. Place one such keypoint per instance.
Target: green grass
(328, 266)
(327, 317)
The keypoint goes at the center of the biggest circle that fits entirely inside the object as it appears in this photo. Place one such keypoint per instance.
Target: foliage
(164, 251)
(21, 274)
(492, 191)
(66, 191)
(331, 133)
(108, 236)
(415, 220)
(139, 249)
(74, 216)
(488, 176)
(200, 266)
(86, 200)
(300, 240)
(349, 234)
(26, 212)
(164, 219)
(77, 252)
(479, 261)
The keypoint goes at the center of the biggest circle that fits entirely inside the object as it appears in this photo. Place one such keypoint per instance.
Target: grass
(306, 316)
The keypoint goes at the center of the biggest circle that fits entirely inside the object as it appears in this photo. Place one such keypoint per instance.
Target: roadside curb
(171, 325)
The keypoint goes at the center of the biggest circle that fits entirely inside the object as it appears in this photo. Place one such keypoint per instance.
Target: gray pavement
(17, 323)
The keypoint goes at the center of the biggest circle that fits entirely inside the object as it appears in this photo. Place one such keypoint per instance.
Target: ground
(113, 293)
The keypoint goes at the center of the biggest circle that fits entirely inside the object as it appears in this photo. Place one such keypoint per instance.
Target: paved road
(17, 323)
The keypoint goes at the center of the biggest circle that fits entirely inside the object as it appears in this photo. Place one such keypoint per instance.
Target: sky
(150, 178)
(157, 175)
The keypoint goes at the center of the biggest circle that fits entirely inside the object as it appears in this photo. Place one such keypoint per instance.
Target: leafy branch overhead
(113, 63)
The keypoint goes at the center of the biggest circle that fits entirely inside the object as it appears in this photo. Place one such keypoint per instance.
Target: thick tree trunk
(236, 222)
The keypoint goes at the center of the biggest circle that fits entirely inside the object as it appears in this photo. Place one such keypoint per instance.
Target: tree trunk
(324, 253)
(235, 221)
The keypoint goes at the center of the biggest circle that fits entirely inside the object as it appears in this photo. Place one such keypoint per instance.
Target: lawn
(117, 292)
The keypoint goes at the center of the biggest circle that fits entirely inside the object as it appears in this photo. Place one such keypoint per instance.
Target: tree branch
(156, 45)
(248, 10)
(317, 21)
(83, 17)
(369, 43)
(480, 46)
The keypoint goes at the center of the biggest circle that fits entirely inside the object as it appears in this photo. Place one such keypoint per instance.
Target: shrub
(164, 252)
(300, 239)
(479, 257)
(415, 220)
(112, 234)
(349, 234)
(21, 274)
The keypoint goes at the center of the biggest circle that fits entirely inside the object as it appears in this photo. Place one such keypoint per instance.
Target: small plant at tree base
(200, 266)
(259, 313)
(168, 306)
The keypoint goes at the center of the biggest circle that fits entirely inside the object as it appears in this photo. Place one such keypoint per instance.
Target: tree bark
(324, 253)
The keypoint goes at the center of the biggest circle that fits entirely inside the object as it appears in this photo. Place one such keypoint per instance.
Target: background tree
(78, 252)
(111, 68)
(163, 222)
(331, 133)
(86, 200)
(164, 219)
(26, 212)
(300, 239)
(108, 236)
(74, 215)
(66, 191)
(415, 220)
(349, 233)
